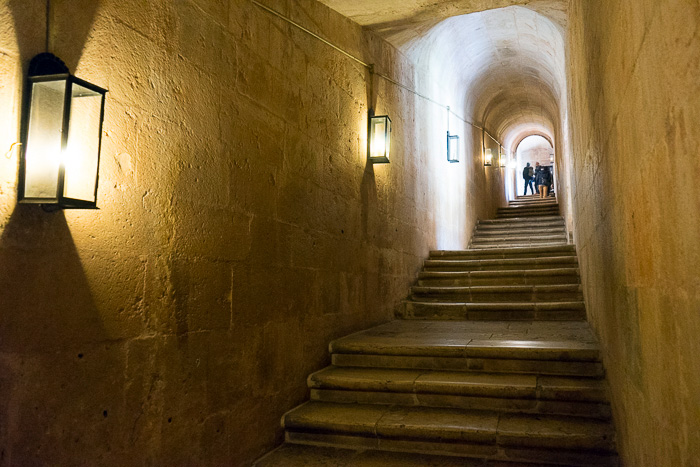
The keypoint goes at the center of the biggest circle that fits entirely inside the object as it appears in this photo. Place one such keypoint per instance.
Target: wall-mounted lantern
(551, 157)
(502, 157)
(488, 158)
(452, 148)
(61, 136)
(379, 139)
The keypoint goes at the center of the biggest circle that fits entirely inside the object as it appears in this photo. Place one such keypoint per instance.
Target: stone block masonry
(240, 229)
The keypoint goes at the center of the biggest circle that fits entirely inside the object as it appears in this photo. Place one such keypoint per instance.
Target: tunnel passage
(503, 69)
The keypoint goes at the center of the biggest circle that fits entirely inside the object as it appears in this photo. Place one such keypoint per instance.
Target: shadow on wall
(30, 23)
(46, 303)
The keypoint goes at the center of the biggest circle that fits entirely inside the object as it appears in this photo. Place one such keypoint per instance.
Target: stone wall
(240, 227)
(635, 100)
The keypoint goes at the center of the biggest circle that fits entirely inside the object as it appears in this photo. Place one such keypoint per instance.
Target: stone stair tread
(537, 340)
(498, 288)
(535, 250)
(451, 425)
(529, 220)
(298, 455)
(516, 238)
(434, 263)
(493, 234)
(499, 274)
(460, 383)
(528, 305)
(519, 244)
(420, 381)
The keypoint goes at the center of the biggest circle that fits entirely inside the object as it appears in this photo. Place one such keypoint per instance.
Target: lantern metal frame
(452, 148)
(40, 72)
(372, 136)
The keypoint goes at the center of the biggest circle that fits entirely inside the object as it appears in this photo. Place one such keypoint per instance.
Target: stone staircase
(491, 361)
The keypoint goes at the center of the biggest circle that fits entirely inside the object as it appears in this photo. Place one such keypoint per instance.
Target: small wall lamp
(488, 158)
(502, 157)
(379, 139)
(61, 137)
(452, 148)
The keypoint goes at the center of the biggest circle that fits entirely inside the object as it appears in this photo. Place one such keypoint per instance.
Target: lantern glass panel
(81, 155)
(488, 157)
(452, 148)
(380, 139)
(42, 157)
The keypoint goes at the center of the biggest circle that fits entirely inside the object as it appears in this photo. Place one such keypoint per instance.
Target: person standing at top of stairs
(528, 173)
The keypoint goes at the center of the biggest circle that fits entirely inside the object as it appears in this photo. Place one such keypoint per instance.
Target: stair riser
(496, 241)
(487, 268)
(542, 367)
(494, 233)
(526, 216)
(480, 297)
(456, 315)
(502, 403)
(520, 225)
(522, 254)
(517, 245)
(526, 212)
(494, 281)
(440, 311)
(500, 265)
(462, 448)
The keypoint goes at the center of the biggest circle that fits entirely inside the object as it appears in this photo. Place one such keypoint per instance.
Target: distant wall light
(488, 158)
(502, 158)
(551, 157)
(379, 139)
(62, 134)
(452, 148)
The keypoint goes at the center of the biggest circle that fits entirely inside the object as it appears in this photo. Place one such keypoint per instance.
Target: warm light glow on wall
(379, 139)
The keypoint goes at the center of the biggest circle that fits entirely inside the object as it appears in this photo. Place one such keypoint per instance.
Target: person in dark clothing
(535, 178)
(544, 180)
(527, 176)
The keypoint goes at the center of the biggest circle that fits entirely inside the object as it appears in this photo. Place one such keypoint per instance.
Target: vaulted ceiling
(505, 56)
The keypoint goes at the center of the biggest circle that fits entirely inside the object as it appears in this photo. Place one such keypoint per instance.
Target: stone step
(534, 207)
(519, 228)
(498, 293)
(531, 238)
(504, 277)
(485, 434)
(538, 202)
(533, 230)
(585, 397)
(538, 220)
(505, 253)
(547, 348)
(483, 246)
(465, 265)
(525, 214)
(311, 455)
(525, 311)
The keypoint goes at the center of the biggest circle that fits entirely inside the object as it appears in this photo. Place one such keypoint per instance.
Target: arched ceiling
(501, 60)
(401, 21)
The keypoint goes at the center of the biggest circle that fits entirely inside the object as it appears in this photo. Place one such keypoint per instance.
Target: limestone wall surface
(635, 101)
(240, 227)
